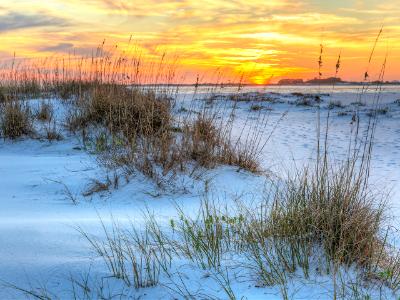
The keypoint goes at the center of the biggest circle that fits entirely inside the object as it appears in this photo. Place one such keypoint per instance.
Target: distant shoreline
(349, 83)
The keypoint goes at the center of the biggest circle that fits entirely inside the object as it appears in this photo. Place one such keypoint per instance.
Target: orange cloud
(266, 39)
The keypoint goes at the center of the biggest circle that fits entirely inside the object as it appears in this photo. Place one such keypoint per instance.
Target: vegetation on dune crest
(320, 220)
(140, 131)
(124, 110)
(323, 221)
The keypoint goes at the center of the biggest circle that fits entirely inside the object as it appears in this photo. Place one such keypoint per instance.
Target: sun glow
(267, 40)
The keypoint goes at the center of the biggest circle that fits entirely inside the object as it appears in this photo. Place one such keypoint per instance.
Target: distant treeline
(330, 80)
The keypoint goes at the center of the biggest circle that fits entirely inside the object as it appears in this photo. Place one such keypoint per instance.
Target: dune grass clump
(135, 127)
(201, 140)
(45, 112)
(335, 104)
(16, 84)
(3, 97)
(159, 149)
(97, 186)
(305, 101)
(69, 89)
(255, 107)
(28, 88)
(378, 111)
(139, 131)
(15, 119)
(119, 108)
(52, 132)
(129, 256)
(334, 210)
(206, 141)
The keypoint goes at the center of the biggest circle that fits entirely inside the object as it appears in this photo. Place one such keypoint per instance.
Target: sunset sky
(269, 39)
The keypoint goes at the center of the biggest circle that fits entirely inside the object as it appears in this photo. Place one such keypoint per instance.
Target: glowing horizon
(266, 40)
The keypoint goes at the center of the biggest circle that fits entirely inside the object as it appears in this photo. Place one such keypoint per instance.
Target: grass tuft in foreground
(324, 221)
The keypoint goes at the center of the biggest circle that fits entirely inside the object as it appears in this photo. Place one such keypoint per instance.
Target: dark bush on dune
(15, 120)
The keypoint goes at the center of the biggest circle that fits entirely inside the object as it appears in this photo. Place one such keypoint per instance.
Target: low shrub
(335, 104)
(139, 131)
(378, 111)
(119, 108)
(15, 119)
(255, 107)
(45, 112)
(305, 101)
(52, 132)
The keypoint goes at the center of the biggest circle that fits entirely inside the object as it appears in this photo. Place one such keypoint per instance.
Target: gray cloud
(71, 49)
(13, 21)
(61, 47)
